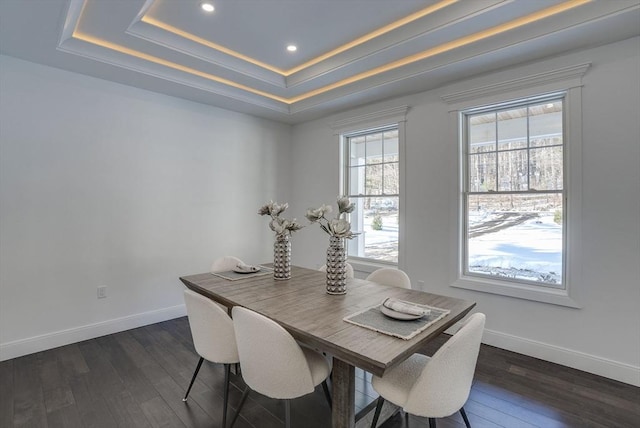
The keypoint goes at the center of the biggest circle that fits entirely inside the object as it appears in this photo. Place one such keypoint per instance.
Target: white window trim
(569, 80)
(391, 116)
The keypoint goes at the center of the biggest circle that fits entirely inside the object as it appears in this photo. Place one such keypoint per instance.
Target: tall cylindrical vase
(282, 257)
(336, 266)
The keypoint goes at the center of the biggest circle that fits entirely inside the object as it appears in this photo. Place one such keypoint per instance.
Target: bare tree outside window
(372, 181)
(514, 192)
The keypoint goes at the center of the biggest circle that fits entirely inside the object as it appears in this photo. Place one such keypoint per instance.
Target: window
(371, 179)
(514, 193)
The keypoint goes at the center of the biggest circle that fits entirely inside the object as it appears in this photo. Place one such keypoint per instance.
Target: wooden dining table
(302, 306)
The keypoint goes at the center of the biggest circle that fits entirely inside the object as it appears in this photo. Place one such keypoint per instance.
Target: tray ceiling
(349, 52)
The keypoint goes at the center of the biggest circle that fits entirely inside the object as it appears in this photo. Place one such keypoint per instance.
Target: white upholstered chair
(213, 338)
(390, 276)
(225, 263)
(273, 364)
(349, 268)
(434, 387)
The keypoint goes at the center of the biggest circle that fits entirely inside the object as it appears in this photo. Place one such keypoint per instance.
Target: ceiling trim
(564, 74)
(379, 118)
(154, 59)
(76, 10)
(285, 73)
(445, 47)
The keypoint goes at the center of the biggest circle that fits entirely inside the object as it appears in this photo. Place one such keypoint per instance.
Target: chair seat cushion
(396, 383)
(318, 365)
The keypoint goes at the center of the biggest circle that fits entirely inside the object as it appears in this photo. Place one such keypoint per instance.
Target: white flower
(265, 209)
(294, 225)
(276, 209)
(314, 215)
(344, 206)
(281, 227)
(339, 227)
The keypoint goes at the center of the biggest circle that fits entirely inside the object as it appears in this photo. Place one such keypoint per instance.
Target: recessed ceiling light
(292, 48)
(207, 7)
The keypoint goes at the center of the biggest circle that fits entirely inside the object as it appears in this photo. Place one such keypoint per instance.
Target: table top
(303, 307)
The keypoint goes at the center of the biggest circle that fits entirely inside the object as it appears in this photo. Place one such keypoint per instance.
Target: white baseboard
(622, 372)
(578, 360)
(43, 342)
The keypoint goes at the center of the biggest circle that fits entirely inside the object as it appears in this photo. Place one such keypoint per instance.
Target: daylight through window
(514, 191)
(372, 181)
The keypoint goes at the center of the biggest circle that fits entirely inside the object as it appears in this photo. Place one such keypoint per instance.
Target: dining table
(315, 318)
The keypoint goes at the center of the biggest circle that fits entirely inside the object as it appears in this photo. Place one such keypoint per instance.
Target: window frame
(564, 80)
(467, 192)
(346, 181)
(396, 117)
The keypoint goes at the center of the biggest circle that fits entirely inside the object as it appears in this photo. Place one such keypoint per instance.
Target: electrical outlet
(102, 292)
(421, 285)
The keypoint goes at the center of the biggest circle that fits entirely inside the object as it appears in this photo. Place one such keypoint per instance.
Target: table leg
(343, 384)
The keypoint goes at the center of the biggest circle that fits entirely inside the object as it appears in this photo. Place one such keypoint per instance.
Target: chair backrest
(349, 268)
(225, 263)
(390, 276)
(272, 362)
(444, 385)
(211, 329)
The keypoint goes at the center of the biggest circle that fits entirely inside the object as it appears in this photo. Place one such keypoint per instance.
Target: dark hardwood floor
(137, 379)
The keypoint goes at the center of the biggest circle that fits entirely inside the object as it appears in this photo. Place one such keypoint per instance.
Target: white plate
(252, 269)
(398, 315)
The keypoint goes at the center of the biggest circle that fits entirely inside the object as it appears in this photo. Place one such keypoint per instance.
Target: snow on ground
(529, 250)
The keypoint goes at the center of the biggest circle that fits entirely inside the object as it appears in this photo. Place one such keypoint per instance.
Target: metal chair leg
(327, 395)
(245, 394)
(464, 416)
(227, 371)
(376, 415)
(193, 378)
(432, 423)
(287, 413)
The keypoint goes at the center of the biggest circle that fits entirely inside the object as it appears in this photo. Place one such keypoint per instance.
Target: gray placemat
(375, 320)
(233, 276)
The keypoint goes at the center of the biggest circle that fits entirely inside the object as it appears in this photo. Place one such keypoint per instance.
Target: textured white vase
(336, 266)
(282, 257)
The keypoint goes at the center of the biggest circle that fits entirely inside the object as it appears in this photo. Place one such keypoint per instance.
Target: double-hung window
(514, 192)
(371, 179)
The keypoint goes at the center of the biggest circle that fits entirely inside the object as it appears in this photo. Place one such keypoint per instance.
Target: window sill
(519, 291)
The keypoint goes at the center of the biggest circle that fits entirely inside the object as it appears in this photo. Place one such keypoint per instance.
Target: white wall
(604, 335)
(104, 184)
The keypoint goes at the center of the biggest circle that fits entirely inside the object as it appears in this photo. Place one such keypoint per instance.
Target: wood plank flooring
(137, 378)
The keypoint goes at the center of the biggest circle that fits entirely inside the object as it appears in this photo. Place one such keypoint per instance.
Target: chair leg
(432, 423)
(406, 419)
(376, 415)
(193, 378)
(464, 416)
(227, 371)
(287, 413)
(327, 395)
(245, 394)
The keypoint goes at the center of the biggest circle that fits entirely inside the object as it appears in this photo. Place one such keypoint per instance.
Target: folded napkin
(405, 307)
(247, 268)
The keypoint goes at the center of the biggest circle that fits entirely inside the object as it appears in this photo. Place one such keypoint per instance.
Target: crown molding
(78, 47)
(377, 118)
(572, 73)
